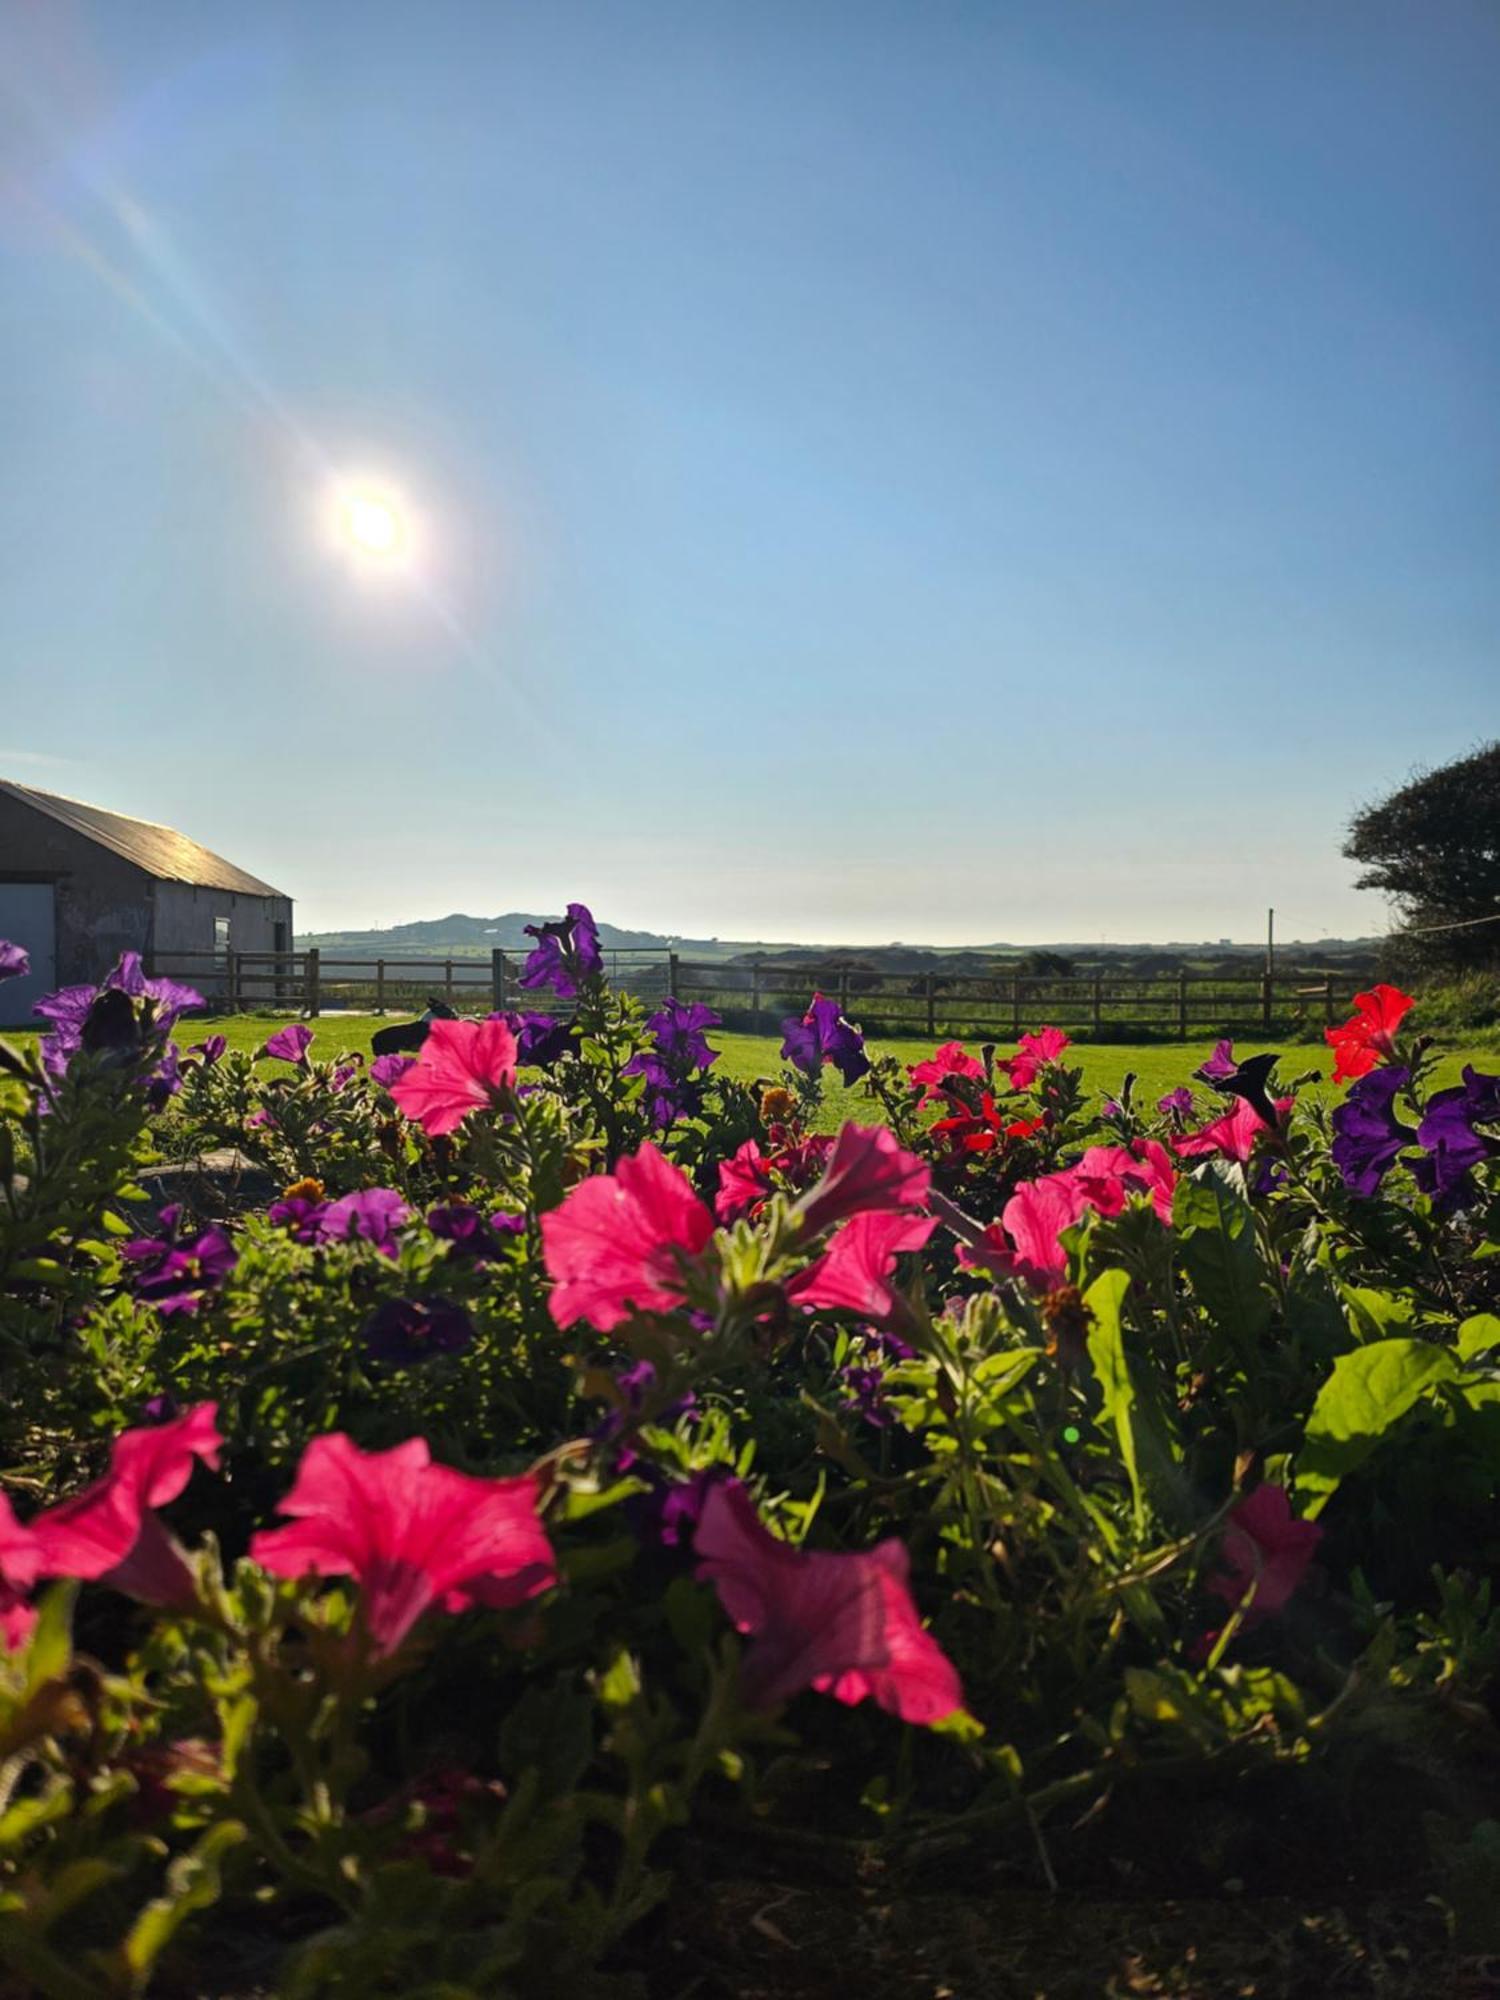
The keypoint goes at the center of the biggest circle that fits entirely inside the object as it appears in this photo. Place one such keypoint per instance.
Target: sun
(373, 524)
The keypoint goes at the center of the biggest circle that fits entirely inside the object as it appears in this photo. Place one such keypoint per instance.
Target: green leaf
(1216, 1231)
(1104, 1299)
(193, 1883)
(1478, 1335)
(1378, 1315)
(1368, 1393)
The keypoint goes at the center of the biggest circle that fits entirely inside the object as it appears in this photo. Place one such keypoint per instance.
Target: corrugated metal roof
(169, 856)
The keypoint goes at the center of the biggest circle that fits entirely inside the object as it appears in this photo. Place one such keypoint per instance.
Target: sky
(938, 471)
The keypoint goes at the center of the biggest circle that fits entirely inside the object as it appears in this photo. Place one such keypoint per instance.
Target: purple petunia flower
(118, 1018)
(386, 1070)
(1219, 1065)
(15, 960)
(1368, 1134)
(540, 1038)
(300, 1215)
(1177, 1103)
(373, 1215)
(404, 1332)
(566, 952)
(672, 1087)
(824, 1036)
(210, 1048)
(290, 1044)
(508, 1224)
(1453, 1148)
(173, 1274)
(471, 1234)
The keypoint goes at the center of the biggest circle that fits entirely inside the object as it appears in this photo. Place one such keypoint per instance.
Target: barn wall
(185, 923)
(103, 902)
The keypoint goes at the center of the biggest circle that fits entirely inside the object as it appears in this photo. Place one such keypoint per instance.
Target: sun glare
(373, 524)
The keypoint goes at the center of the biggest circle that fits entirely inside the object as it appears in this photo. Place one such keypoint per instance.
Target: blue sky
(925, 471)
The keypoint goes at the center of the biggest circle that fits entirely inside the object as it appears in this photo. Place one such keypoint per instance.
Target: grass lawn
(1158, 1066)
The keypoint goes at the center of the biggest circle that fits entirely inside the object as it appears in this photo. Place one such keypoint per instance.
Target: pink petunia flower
(1111, 1173)
(616, 1243)
(868, 1172)
(1264, 1544)
(843, 1624)
(856, 1271)
(414, 1536)
(1031, 1052)
(462, 1066)
(744, 1180)
(1234, 1135)
(109, 1532)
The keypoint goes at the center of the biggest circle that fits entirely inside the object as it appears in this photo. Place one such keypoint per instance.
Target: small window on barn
(221, 933)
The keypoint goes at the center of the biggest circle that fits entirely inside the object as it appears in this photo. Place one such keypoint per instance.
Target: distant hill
(460, 936)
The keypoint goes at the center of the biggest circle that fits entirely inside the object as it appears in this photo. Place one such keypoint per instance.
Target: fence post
(380, 986)
(1267, 1000)
(755, 994)
(1098, 1003)
(1328, 999)
(1015, 1008)
(448, 981)
(314, 981)
(1182, 1006)
(497, 978)
(671, 975)
(232, 980)
(844, 991)
(931, 985)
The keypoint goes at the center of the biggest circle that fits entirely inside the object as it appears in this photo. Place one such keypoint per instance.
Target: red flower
(854, 1274)
(868, 1172)
(412, 1534)
(744, 1182)
(949, 1060)
(1032, 1051)
(617, 1242)
(1368, 1038)
(1265, 1544)
(462, 1066)
(843, 1624)
(981, 1131)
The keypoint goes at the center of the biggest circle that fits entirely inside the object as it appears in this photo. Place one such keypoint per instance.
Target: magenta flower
(617, 1243)
(1265, 1544)
(856, 1272)
(414, 1536)
(463, 1067)
(824, 1036)
(1177, 1103)
(109, 1531)
(290, 1044)
(1032, 1052)
(744, 1181)
(210, 1048)
(1220, 1064)
(1234, 1135)
(386, 1070)
(15, 960)
(867, 1172)
(843, 1624)
(566, 953)
(372, 1215)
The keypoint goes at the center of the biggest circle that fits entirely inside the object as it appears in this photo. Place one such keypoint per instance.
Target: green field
(1158, 1066)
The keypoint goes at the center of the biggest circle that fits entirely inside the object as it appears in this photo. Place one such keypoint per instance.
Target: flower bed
(582, 1452)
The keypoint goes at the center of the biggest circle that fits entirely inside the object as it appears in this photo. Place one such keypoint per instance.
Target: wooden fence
(315, 982)
(758, 997)
(1001, 1006)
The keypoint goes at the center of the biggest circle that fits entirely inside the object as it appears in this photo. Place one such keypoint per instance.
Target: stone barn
(79, 885)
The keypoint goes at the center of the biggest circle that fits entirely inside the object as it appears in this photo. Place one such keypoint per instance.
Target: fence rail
(759, 996)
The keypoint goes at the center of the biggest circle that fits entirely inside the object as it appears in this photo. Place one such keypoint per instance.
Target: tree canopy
(1434, 847)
